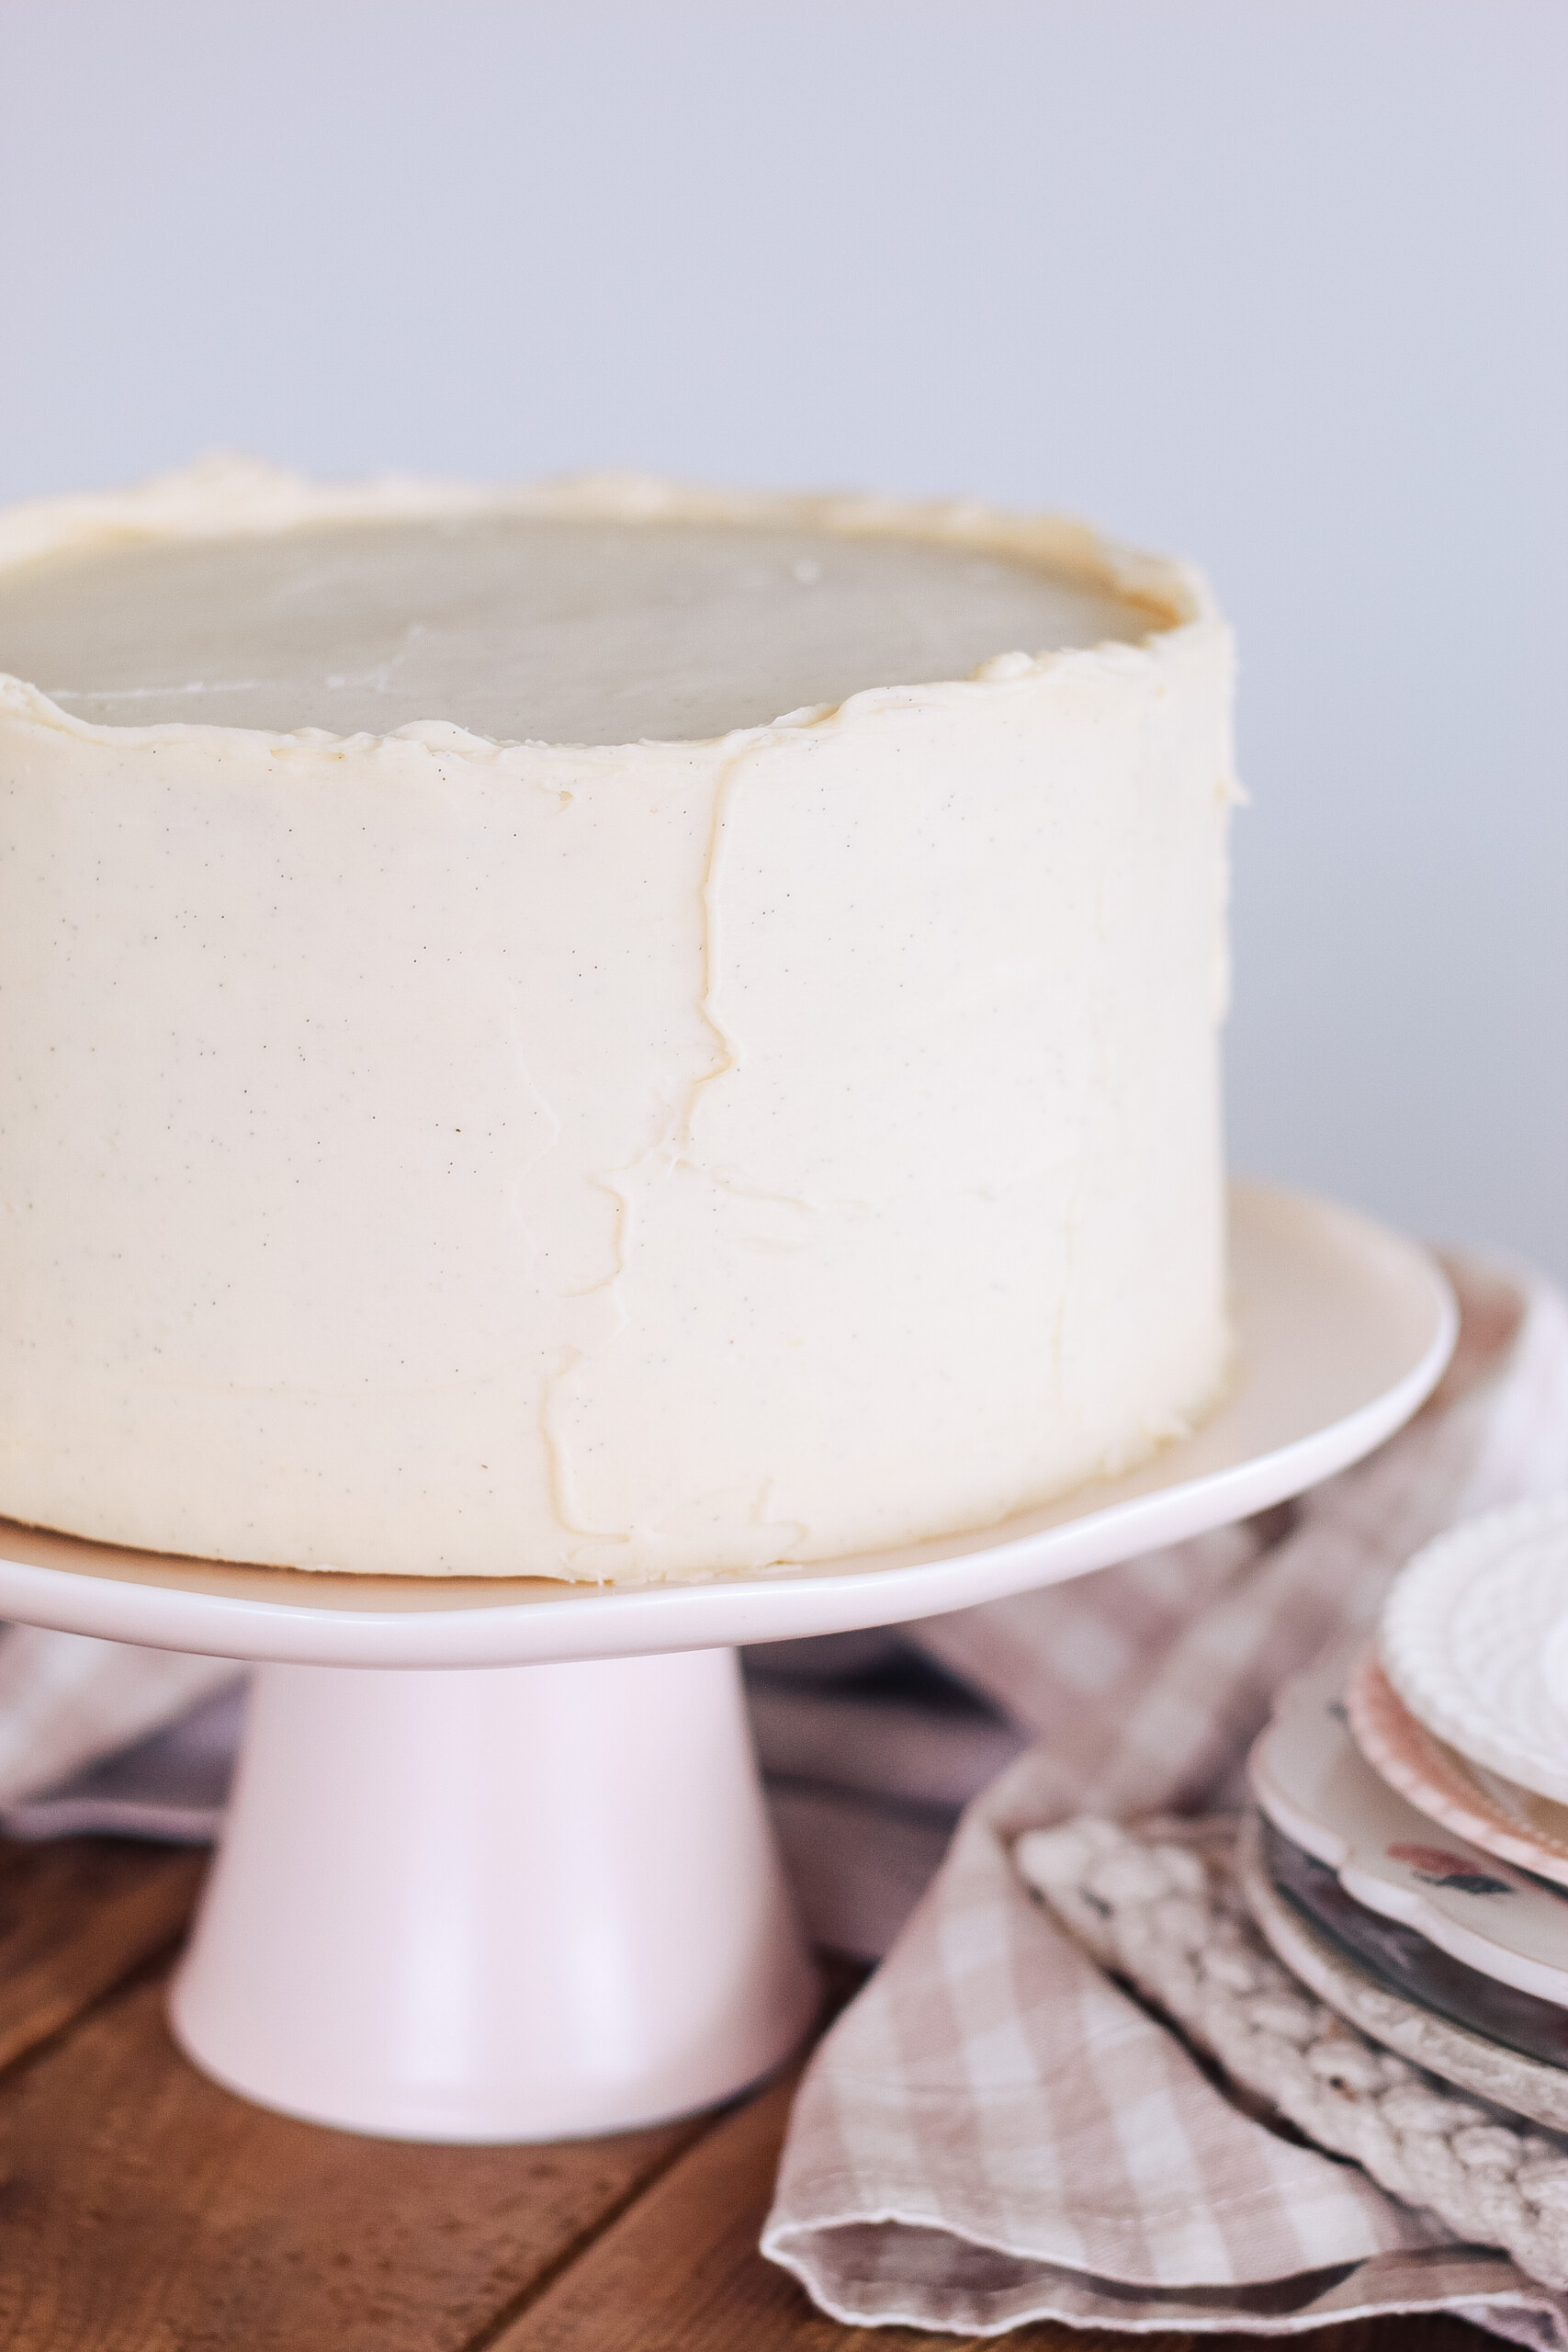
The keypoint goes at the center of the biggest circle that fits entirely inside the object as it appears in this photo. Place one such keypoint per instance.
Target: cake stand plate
(530, 1890)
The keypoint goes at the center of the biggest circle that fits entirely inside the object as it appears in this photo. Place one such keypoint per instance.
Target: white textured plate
(1314, 1783)
(1467, 1641)
(1495, 1814)
(1344, 1328)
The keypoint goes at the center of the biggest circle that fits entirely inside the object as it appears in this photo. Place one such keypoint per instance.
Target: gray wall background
(1280, 287)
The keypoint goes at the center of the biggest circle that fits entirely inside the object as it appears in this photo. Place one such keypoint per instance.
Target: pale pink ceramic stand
(517, 1902)
(528, 1890)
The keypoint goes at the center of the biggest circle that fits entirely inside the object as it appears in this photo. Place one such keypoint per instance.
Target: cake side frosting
(432, 1155)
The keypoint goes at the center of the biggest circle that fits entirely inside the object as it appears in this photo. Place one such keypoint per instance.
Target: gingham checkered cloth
(994, 2132)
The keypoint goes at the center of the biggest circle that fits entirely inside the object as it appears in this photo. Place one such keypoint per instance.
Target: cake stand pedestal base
(509, 1903)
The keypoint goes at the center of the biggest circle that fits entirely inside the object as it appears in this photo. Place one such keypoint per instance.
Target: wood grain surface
(144, 2210)
(75, 1919)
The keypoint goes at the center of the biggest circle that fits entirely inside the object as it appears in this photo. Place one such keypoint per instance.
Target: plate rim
(1422, 2037)
(1368, 1692)
(1356, 1855)
(1413, 1646)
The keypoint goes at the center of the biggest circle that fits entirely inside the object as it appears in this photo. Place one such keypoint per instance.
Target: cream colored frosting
(522, 627)
(426, 1152)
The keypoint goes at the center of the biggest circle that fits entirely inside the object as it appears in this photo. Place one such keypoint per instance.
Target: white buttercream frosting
(439, 1132)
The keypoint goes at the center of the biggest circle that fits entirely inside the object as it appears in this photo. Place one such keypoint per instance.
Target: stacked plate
(1411, 1860)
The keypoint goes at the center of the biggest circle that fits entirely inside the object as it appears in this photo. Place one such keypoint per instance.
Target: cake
(598, 1030)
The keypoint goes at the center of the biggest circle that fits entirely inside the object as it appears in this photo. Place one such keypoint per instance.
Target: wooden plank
(144, 2210)
(680, 2271)
(78, 1915)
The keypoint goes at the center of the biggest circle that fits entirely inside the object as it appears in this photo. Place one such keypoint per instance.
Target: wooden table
(143, 2209)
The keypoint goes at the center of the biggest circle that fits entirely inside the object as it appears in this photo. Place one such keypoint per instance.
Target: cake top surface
(584, 627)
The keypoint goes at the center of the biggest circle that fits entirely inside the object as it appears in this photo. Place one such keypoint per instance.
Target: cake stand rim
(81, 1587)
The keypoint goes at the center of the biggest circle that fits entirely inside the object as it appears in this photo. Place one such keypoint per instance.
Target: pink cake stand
(529, 1890)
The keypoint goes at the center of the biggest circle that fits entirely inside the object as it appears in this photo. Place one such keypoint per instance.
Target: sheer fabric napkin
(994, 2131)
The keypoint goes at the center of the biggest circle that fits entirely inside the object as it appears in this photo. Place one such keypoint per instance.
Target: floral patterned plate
(1493, 1813)
(1312, 1783)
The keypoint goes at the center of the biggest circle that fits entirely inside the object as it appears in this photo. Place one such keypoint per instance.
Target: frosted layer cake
(598, 1030)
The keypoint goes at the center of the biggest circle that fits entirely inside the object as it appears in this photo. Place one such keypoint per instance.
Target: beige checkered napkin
(994, 2131)
(68, 1699)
